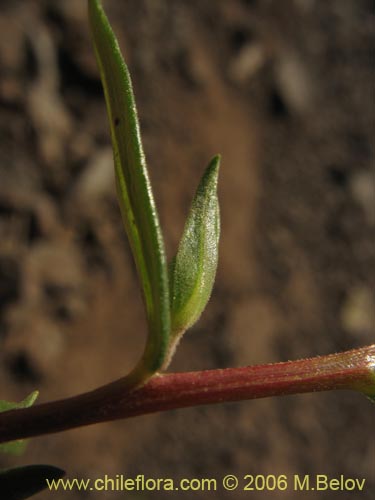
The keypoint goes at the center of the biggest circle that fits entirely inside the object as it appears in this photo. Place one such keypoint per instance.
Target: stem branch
(353, 370)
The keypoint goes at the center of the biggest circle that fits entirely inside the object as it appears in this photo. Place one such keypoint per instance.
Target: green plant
(174, 297)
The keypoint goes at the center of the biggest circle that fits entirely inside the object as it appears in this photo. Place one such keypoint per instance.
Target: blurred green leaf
(133, 187)
(16, 447)
(193, 270)
(24, 482)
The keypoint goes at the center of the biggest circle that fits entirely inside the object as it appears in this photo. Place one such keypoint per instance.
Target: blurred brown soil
(284, 91)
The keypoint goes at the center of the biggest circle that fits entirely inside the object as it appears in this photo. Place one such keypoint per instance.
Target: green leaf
(24, 482)
(16, 447)
(193, 270)
(134, 189)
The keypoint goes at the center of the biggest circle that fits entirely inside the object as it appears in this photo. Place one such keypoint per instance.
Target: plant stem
(354, 370)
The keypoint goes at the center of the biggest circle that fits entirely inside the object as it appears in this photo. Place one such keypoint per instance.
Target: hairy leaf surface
(193, 270)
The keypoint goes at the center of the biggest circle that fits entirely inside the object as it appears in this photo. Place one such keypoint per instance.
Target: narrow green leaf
(16, 447)
(134, 189)
(192, 271)
(24, 482)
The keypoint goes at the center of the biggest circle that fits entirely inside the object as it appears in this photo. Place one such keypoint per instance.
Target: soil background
(284, 91)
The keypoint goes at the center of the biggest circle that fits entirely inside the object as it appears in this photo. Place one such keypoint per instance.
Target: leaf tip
(213, 168)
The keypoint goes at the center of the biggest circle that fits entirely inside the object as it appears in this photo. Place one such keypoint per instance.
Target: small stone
(358, 312)
(248, 62)
(294, 81)
(363, 190)
(98, 179)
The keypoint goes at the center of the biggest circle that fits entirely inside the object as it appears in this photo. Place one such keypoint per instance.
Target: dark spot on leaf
(117, 121)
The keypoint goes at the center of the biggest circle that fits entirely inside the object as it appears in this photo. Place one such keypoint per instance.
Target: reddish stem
(349, 370)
